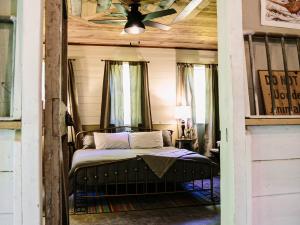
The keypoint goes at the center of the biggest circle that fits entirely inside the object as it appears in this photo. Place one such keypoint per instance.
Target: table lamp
(182, 114)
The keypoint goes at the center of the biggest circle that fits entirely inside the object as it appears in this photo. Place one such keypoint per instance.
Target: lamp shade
(134, 27)
(183, 112)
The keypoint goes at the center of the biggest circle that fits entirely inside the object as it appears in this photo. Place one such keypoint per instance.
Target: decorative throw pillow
(88, 141)
(167, 138)
(152, 139)
(111, 140)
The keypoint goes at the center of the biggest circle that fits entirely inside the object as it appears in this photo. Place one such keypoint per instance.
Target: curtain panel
(140, 96)
(185, 93)
(208, 133)
(184, 84)
(112, 108)
(72, 96)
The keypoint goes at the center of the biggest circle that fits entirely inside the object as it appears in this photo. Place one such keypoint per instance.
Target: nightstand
(215, 155)
(186, 143)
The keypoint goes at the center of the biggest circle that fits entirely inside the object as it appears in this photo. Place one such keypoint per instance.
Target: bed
(101, 172)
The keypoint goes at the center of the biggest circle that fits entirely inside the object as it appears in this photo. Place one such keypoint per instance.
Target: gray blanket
(158, 160)
(160, 163)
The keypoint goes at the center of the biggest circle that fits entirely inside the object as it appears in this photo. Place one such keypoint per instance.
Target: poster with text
(280, 92)
(281, 13)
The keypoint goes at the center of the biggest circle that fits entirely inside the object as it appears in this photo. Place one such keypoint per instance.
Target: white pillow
(111, 140)
(152, 139)
(88, 142)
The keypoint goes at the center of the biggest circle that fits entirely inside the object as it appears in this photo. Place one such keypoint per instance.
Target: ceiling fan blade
(103, 5)
(121, 8)
(156, 25)
(165, 4)
(187, 10)
(157, 14)
(116, 15)
(114, 21)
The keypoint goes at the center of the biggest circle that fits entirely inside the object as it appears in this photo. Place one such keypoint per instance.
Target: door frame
(235, 161)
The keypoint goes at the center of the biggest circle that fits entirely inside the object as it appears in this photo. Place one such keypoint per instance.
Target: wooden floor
(201, 215)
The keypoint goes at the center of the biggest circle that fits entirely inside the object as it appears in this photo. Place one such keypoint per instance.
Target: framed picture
(281, 13)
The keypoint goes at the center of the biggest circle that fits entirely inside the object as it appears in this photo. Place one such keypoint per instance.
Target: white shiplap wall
(89, 68)
(275, 169)
(9, 148)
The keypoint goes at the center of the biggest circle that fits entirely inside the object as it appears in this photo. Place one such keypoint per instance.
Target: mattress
(159, 160)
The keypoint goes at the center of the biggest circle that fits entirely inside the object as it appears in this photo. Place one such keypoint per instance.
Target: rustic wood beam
(52, 165)
(64, 98)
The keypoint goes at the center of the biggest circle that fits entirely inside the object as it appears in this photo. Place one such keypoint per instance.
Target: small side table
(186, 143)
(215, 153)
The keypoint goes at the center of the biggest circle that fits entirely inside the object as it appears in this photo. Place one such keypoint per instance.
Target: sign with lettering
(280, 92)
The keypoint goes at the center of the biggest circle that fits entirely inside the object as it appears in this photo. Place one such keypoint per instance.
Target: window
(7, 62)
(200, 92)
(126, 94)
(129, 94)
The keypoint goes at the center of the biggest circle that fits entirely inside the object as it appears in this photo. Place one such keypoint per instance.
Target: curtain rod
(197, 63)
(123, 60)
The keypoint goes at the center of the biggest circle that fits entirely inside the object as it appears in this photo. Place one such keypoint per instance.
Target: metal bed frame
(133, 177)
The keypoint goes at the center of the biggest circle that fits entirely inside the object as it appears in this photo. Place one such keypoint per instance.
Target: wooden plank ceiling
(198, 31)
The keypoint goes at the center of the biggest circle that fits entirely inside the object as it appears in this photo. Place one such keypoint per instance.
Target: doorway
(56, 129)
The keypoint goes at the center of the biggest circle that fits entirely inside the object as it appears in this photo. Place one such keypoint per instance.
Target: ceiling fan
(136, 21)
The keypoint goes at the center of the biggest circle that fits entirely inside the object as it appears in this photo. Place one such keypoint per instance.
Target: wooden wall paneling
(89, 100)
(275, 174)
(276, 210)
(6, 193)
(276, 177)
(90, 120)
(275, 142)
(6, 150)
(53, 144)
(88, 69)
(6, 218)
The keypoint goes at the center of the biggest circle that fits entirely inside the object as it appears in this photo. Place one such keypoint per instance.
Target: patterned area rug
(134, 203)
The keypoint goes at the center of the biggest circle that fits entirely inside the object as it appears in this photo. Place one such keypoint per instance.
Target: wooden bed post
(56, 209)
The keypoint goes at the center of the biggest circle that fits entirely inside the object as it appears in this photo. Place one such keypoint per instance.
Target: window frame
(126, 93)
(15, 101)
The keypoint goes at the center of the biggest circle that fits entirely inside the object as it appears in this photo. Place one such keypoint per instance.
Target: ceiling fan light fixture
(134, 27)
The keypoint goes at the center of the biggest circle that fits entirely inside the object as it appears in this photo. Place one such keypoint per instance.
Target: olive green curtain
(205, 134)
(72, 95)
(139, 95)
(185, 93)
(208, 133)
(184, 85)
(112, 108)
